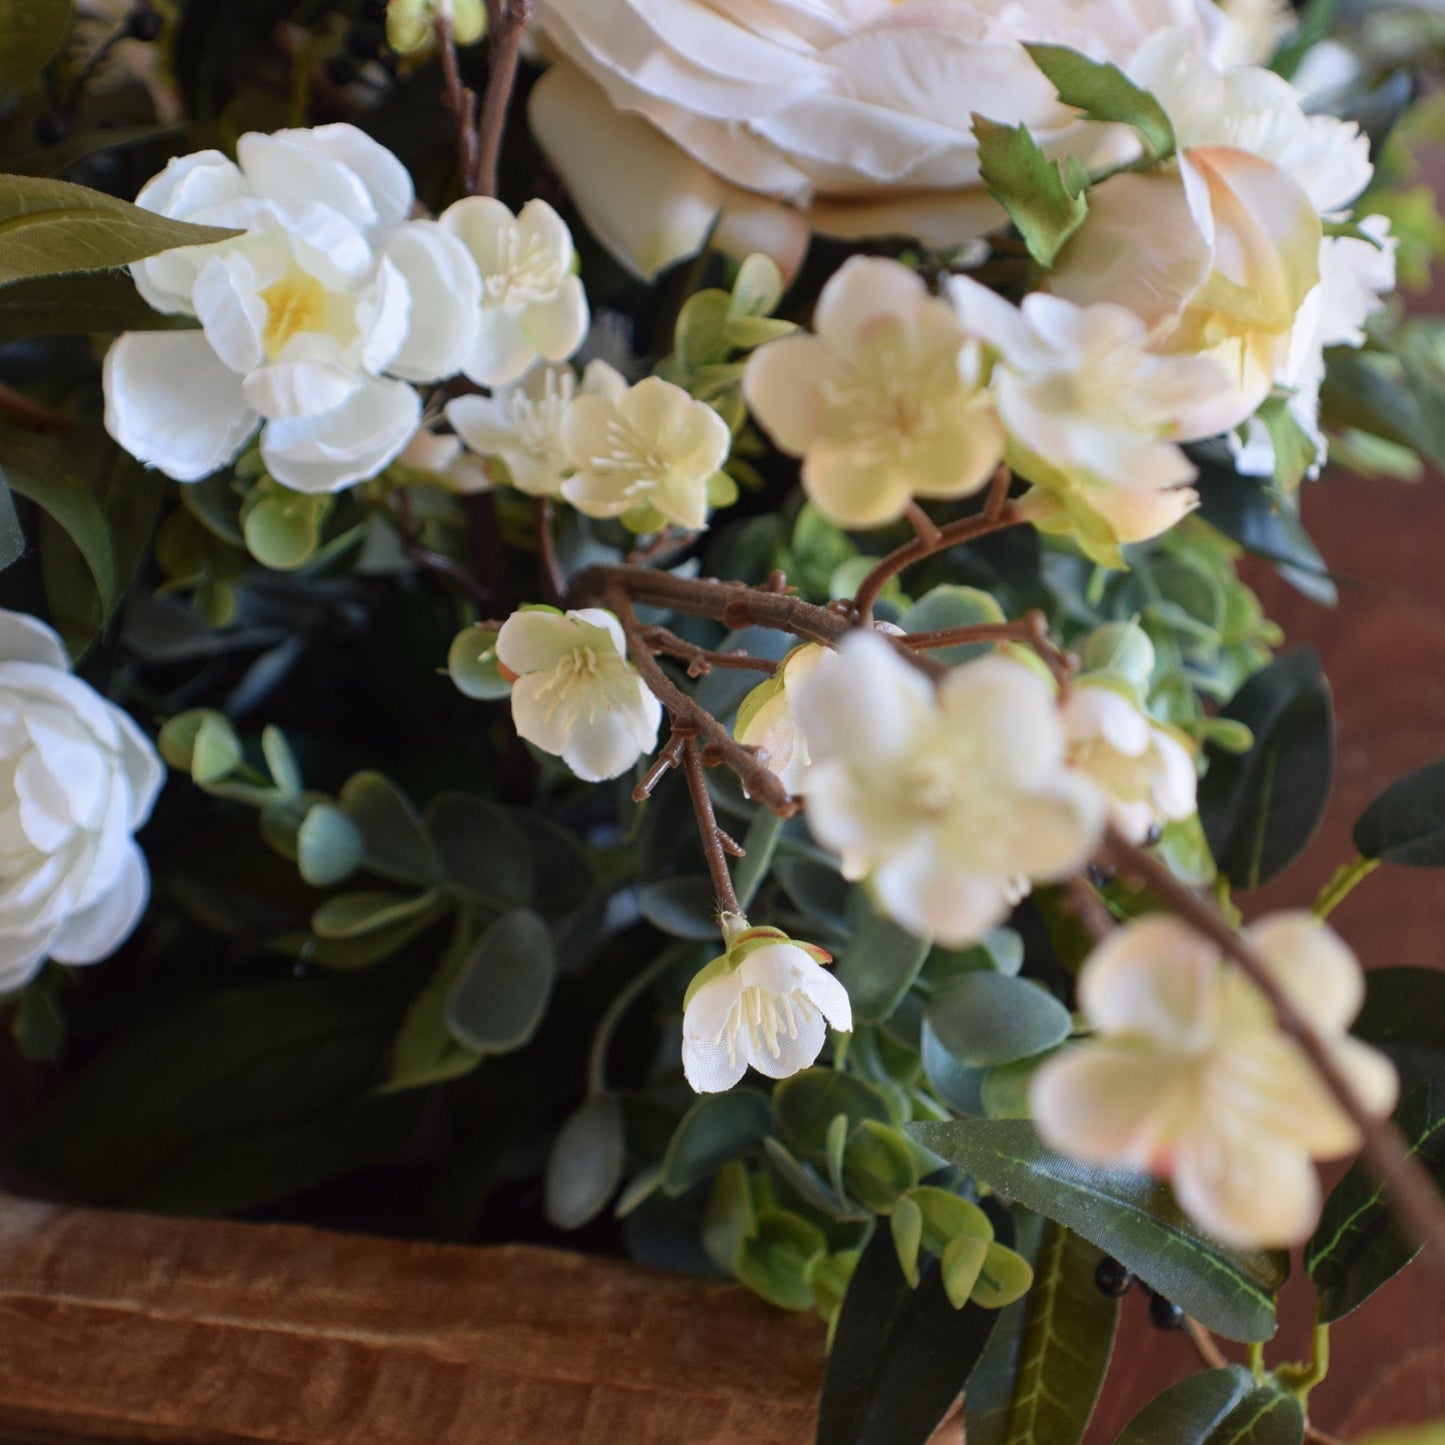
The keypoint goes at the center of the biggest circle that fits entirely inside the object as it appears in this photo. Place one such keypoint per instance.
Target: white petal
(1155, 976)
(502, 351)
(233, 315)
(605, 747)
(284, 167)
(96, 932)
(536, 640)
(711, 1068)
(446, 294)
(20, 958)
(304, 387)
(867, 705)
(28, 639)
(354, 442)
(386, 180)
(383, 316)
(558, 327)
(924, 890)
(1313, 965)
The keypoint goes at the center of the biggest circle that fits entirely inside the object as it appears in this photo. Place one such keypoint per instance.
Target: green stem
(1299, 1380)
(1256, 1361)
(1346, 880)
(616, 1011)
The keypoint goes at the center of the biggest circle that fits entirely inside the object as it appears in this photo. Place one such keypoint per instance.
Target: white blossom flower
(576, 695)
(313, 322)
(754, 124)
(521, 425)
(650, 455)
(766, 1002)
(79, 779)
(768, 716)
(947, 801)
(1189, 1076)
(1092, 415)
(884, 404)
(1143, 769)
(533, 307)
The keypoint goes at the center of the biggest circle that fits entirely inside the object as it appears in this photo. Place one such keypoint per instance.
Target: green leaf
(989, 1018)
(1294, 449)
(79, 304)
(31, 31)
(877, 966)
(716, 1129)
(1368, 392)
(350, 915)
(777, 1261)
(1003, 1278)
(424, 1051)
(328, 846)
(73, 507)
(1131, 1216)
(585, 1165)
(878, 1166)
(398, 845)
(12, 538)
(1039, 1379)
(53, 160)
(758, 288)
(900, 1355)
(1046, 206)
(1406, 823)
(1218, 1407)
(684, 907)
(50, 228)
(503, 987)
(1262, 808)
(951, 606)
(282, 528)
(482, 851)
(1358, 1245)
(472, 665)
(1104, 93)
(281, 761)
(805, 1105)
(1404, 1016)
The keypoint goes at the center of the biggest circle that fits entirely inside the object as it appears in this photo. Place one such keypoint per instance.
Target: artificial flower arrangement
(681, 560)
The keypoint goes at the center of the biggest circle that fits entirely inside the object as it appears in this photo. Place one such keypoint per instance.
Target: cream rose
(774, 118)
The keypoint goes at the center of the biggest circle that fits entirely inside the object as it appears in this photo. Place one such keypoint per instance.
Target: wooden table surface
(123, 1328)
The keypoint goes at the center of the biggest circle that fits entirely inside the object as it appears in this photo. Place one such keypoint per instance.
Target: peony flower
(759, 123)
(948, 802)
(80, 778)
(1189, 1076)
(649, 454)
(884, 404)
(521, 425)
(314, 321)
(768, 717)
(1143, 769)
(1092, 416)
(767, 1002)
(576, 695)
(532, 305)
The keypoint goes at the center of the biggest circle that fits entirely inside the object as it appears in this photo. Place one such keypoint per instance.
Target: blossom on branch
(884, 404)
(768, 716)
(576, 695)
(767, 1002)
(948, 801)
(1189, 1076)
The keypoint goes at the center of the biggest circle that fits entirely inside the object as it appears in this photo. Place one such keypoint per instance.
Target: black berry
(1112, 1278)
(144, 24)
(1164, 1314)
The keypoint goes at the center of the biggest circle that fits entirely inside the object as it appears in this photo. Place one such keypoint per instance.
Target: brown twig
(462, 102)
(506, 21)
(1032, 629)
(32, 415)
(924, 527)
(1204, 1344)
(998, 492)
(662, 764)
(700, 660)
(553, 577)
(1405, 1183)
(716, 844)
(437, 562)
(1089, 908)
(1316, 1436)
(671, 539)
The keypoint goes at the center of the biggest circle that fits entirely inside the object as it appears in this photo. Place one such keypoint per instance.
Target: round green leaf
(990, 1018)
(328, 846)
(585, 1165)
(718, 1128)
(502, 991)
(805, 1106)
(472, 665)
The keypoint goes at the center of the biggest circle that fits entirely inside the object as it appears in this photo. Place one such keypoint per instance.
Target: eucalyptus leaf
(350, 915)
(805, 1106)
(949, 606)
(584, 1167)
(1134, 1218)
(472, 665)
(328, 846)
(877, 966)
(716, 1129)
(685, 907)
(482, 851)
(1218, 1407)
(502, 989)
(990, 1018)
(398, 845)
(1406, 823)
(51, 228)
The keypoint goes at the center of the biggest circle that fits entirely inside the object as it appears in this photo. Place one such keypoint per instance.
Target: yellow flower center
(297, 302)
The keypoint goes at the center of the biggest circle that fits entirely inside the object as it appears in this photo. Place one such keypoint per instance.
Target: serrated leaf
(1358, 1245)
(1130, 1215)
(1218, 1407)
(1104, 93)
(502, 989)
(51, 228)
(1046, 208)
(584, 1167)
(31, 31)
(1262, 808)
(1406, 823)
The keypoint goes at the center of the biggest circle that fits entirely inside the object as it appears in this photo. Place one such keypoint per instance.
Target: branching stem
(506, 22)
(716, 845)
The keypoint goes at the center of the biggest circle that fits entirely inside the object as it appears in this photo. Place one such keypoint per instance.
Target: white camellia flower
(650, 455)
(1143, 769)
(1188, 1075)
(521, 425)
(755, 123)
(533, 307)
(1092, 415)
(80, 778)
(576, 695)
(767, 1002)
(314, 322)
(947, 801)
(884, 404)
(768, 716)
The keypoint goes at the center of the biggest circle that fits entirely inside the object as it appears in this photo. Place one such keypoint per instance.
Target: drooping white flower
(314, 321)
(754, 124)
(576, 695)
(766, 1002)
(533, 307)
(1143, 769)
(1187, 1074)
(768, 716)
(78, 779)
(521, 425)
(884, 404)
(1092, 415)
(950, 801)
(650, 454)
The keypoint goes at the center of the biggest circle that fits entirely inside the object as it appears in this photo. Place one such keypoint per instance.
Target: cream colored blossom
(575, 693)
(768, 716)
(767, 1002)
(649, 454)
(950, 801)
(1188, 1075)
(884, 403)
